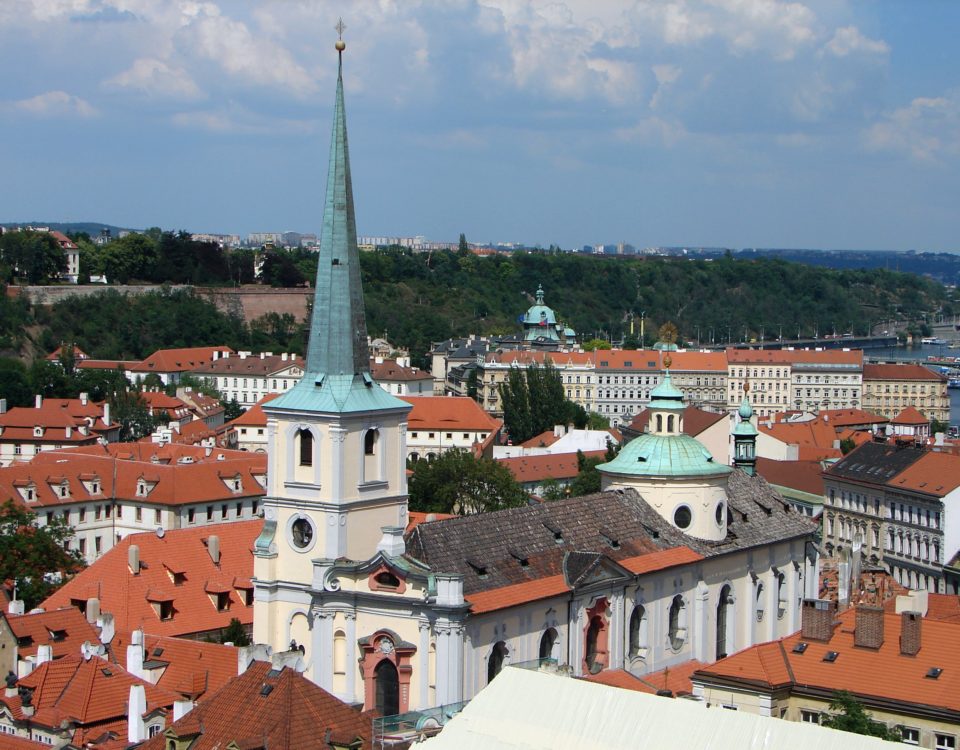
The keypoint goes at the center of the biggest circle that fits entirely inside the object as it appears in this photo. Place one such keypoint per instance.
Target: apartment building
(890, 388)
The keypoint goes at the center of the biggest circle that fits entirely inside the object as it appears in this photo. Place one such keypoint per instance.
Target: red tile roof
(795, 356)
(181, 474)
(254, 416)
(128, 597)
(900, 372)
(910, 416)
(695, 420)
(525, 357)
(814, 438)
(64, 630)
(57, 414)
(676, 679)
(660, 560)
(549, 466)
(89, 692)
(294, 714)
(194, 669)
(415, 518)
(179, 360)
(934, 473)
(256, 365)
(882, 674)
(389, 370)
(805, 476)
(453, 413)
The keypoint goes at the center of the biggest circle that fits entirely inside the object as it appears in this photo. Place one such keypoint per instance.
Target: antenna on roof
(160, 532)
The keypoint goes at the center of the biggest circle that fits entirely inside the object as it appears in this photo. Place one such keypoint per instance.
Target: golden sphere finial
(340, 45)
(667, 362)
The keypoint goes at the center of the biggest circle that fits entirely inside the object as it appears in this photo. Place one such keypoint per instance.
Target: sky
(723, 123)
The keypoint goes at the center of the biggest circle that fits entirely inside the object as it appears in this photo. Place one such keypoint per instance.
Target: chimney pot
(133, 559)
(38, 401)
(93, 610)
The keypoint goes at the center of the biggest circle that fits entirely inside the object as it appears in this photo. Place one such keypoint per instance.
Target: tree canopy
(533, 401)
(34, 556)
(850, 716)
(458, 482)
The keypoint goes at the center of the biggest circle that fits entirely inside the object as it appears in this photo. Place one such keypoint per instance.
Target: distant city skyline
(814, 124)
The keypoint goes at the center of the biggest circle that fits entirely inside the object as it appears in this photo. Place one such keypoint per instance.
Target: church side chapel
(677, 558)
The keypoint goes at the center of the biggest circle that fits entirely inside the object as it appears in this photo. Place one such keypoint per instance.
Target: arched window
(305, 438)
(659, 423)
(670, 423)
(637, 648)
(388, 580)
(759, 602)
(548, 644)
(339, 661)
(370, 442)
(781, 595)
(496, 660)
(387, 688)
(724, 628)
(677, 623)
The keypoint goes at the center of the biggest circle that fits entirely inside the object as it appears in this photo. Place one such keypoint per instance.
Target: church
(677, 558)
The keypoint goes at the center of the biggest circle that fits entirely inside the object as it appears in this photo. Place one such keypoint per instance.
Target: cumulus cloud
(53, 104)
(156, 78)
(848, 40)
(928, 129)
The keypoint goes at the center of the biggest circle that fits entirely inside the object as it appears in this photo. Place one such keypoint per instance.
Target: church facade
(677, 558)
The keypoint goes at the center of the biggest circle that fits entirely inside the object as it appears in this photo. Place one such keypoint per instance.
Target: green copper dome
(664, 456)
(666, 395)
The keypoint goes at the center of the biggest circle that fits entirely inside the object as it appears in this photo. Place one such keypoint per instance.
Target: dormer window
(31, 494)
(141, 488)
(388, 580)
(38, 432)
(63, 490)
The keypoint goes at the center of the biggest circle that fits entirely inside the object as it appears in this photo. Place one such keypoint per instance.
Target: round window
(682, 517)
(719, 514)
(302, 532)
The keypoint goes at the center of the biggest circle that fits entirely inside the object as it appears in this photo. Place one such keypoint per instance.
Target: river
(920, 354)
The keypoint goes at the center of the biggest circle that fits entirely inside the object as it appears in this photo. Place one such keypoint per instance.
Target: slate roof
(520, 545)
(875, 462)
(293, 714)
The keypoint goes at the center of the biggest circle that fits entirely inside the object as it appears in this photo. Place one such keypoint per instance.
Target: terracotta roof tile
(64, 630)
(294, 714)
(127, 596)
(179, 360)
(805, 476)
(882, 673)
(548, 466)
(676, 679)
(910, 416)
(453, 413)
(933, 473)
(900, 372)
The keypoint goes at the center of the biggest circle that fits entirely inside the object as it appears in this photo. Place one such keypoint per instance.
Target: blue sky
(738, 123)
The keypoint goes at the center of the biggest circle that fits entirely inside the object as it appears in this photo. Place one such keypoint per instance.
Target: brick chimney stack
(816, 620)
(869, 627)
(910, 633)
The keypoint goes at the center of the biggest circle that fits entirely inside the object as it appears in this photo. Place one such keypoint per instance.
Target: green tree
(851, 716)
(35, 556)
(130, 410)
(14, 383)
(594, 344)
(235, 633)
(463, 247)
(587, 480)
(534, 400)
(847, 445)
(473, 384)
(35, 257)
(127, 258)
(937, 426)
(515, 402)
(232, 410)
(458, 482)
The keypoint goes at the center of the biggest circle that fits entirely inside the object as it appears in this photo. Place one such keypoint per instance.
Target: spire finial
(340, 28)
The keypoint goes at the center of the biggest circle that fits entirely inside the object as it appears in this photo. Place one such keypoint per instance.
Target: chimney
(213, 547)
(816, 619)
(391, 543)
(3, 406)
(107, 628)
(135, 655)
(44, 653)
(38, 402)
(869, 627)
(93, 610)
(283, 357)
(11, 688)
(136, 708)
(69, 432)
(84, 397)
(181, 709)
(16, 607)
(133, 559)
(106, 413)
(910, 633)
(262, 355)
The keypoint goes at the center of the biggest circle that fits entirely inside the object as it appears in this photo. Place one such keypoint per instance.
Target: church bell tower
(337, 440)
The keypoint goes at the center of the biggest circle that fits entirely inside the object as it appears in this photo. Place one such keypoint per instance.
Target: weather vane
(340, 28)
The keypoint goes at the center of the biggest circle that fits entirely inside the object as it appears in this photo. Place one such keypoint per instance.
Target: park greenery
(418, 298)
(35, 557)
(458, 482)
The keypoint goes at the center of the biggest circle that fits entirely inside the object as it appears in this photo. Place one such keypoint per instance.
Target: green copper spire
(337, 376)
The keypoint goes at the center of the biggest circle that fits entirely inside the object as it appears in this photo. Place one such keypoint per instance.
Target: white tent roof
(528, 709)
